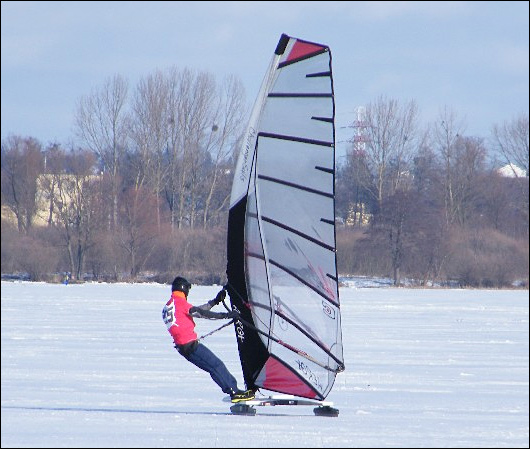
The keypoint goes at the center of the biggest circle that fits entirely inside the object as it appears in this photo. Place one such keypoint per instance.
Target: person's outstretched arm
(199, 312)
(213, 302)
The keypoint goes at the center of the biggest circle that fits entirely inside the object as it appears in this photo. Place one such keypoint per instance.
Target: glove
(220, 297)
(233, 314)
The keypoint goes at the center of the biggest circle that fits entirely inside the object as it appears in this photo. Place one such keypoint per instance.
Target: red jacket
(178, 321)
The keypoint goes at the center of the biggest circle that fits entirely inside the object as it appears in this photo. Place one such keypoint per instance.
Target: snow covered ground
(92, 365)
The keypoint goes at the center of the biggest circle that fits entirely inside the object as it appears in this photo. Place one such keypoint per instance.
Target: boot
(240, 395)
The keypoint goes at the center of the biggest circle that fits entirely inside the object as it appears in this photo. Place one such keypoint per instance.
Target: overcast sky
(470, 56)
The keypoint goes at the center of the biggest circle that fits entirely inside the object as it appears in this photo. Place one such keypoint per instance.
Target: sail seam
(296, 186)
(332, 277)
(318, 75)
(299, 233)
(325, 169)
(323, 119)
(296, 139)
(303, 281)
(299, 95)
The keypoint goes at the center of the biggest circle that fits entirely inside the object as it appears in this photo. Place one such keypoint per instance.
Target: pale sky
(472, 57)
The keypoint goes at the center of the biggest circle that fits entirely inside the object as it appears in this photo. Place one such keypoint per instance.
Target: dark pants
(206, 360)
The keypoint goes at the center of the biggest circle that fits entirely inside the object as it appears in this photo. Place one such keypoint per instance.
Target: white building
(511, 171)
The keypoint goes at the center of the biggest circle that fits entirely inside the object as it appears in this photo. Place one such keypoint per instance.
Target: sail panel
(301, 163)
(291, 207)
(299, 77)
(256, 272)
(309, 323)
(315, 376)
(298, 49)
(302, 259)
(279, 376)
(292, 116)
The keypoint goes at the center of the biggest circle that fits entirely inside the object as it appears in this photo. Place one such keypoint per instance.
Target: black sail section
(252, 351)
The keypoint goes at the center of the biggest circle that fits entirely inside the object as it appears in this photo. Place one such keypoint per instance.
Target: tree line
(144, 193)
(438, 207)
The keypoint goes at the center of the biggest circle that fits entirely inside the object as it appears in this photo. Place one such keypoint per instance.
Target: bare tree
(191, 123)
(197, 126)
(355, 183)
(445, 135)
(226, 130)
(468, 169)
(392, 133)
(496, 202)
(101, 122)
(183, 127)
(511, 139)
(150, 131)
(394, 218)
(54, 164)
(139, 230)
(75, 206)
(22, 162)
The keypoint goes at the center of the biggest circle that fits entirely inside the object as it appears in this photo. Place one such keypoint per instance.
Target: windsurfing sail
(282, 270)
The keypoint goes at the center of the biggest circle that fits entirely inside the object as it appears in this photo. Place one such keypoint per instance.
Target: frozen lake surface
(93, 365)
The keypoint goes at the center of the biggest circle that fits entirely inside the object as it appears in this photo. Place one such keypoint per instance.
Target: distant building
(50, 189)
(8, 215)
(358, 215)
(511, 171)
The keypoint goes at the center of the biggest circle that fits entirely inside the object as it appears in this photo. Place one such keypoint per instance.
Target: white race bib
(168, 315)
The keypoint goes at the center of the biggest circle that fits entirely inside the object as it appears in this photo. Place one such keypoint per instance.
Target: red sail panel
(301, 49)
(279, 378)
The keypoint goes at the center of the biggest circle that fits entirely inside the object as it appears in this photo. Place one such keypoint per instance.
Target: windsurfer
(178, 316)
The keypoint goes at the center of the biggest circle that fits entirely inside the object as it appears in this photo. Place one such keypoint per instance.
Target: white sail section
(286, 174)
